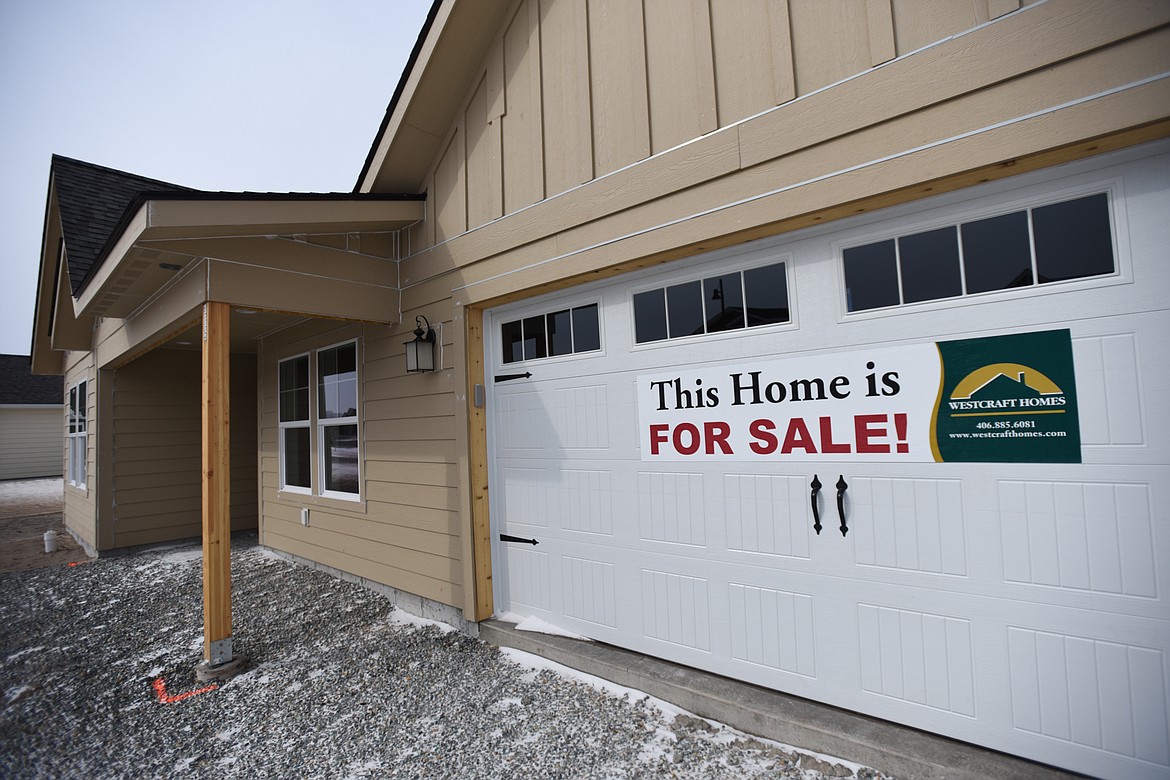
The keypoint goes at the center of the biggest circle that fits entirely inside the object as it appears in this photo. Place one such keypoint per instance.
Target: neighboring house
(31, 428)
(703, 279)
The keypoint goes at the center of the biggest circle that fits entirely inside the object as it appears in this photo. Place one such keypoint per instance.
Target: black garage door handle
(842, 485)
(816, 488)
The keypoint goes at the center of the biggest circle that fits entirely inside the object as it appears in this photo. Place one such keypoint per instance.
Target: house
(31, 429)
(700, 281)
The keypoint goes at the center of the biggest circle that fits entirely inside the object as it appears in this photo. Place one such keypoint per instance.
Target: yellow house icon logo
(1005, 388)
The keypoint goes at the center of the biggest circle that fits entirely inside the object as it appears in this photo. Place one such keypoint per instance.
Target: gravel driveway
(339, 685)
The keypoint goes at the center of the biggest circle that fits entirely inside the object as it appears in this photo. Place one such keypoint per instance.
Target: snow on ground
(337, 684)
(180, 557)
(26, 497)
(402, 618)
(538, 626)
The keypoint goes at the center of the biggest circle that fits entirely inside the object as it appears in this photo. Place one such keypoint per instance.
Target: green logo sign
(1008, 399)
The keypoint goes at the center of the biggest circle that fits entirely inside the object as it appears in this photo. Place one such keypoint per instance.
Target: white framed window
(296, 452)
(337, 420)
(77, 426)
(318, 422)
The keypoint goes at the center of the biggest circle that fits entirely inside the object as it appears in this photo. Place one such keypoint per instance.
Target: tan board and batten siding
(603, 136)
(31, 442)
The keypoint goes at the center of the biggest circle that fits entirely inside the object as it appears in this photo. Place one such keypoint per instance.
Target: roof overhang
(449, 52)
(304, 255)
(329, 237)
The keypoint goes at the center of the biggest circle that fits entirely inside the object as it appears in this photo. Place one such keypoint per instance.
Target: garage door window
(1053, 243)
(733, 301)
(563, 332)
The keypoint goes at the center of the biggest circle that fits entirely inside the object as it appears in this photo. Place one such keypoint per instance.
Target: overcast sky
(261, 95)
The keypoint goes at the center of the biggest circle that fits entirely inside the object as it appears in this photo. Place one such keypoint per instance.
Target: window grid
(546, 321)
(1032, 248)
(898, 271)
(962, 264)
(708, 310)
(1096, 265)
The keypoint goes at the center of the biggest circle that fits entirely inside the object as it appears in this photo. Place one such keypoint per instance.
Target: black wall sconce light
(420, 353)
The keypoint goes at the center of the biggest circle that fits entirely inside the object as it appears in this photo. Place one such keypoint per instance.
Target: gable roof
(19, 386)
(93, 201)
(450, 51)
(398, 90)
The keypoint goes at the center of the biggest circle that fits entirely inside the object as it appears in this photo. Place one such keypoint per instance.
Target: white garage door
(994, 535)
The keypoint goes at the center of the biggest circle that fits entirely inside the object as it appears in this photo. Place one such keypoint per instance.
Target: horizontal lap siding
(31, 443)
(157, 431)
(405, 531)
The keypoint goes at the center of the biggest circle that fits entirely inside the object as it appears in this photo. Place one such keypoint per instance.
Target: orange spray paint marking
(76, 563)
(160, 689)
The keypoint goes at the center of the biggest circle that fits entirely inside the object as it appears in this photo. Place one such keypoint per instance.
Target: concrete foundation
(205, 672)
(407, 602)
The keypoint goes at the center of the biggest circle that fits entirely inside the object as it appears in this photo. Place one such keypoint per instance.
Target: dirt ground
(28, 508)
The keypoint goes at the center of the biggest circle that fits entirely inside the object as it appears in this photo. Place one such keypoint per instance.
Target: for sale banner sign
(996, 399)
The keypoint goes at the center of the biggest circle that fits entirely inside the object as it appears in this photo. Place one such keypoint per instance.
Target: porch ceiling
(248, 326)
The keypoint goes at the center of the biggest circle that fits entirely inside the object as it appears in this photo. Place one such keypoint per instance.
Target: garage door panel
(1121, 376)
(1100, 694)
(1108, 379)
(917, 657)
(528, 579)
(671, 508)
(580, 417)
(1019, 606)
(676, 608)
(767, 514)
(1103, 536)
(772, 628)
(909, 524)
(526, 427)
(589, 590)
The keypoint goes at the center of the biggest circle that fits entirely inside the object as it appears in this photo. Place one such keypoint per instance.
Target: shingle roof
(19, 386)
(93, 201)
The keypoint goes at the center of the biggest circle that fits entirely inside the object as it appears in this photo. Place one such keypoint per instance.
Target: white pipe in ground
(50, 541)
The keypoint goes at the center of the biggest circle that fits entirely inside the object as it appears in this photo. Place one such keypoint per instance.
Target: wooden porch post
(217, 575)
